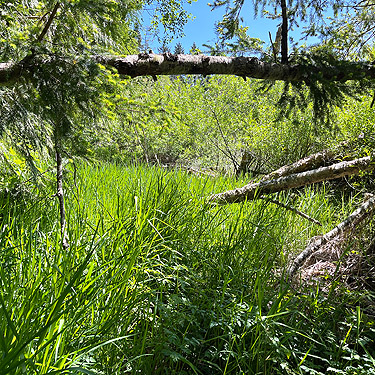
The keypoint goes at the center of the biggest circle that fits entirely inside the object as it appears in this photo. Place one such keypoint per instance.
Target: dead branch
(48, 23)
(309, 162)
(292, 209)
(343, 229)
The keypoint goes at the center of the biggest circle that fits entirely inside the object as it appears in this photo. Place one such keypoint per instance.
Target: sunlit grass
(158, 281)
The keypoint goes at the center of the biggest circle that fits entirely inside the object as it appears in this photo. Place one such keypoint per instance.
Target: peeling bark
(145, 64)
(295, 180)
(342, 229)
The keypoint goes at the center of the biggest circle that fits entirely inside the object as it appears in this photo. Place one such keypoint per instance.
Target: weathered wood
(295, 180)
(309, 162)
(342, 229)
(150, 64)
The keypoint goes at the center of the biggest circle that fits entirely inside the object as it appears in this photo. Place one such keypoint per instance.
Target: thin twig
(234, 161)
(300, 213)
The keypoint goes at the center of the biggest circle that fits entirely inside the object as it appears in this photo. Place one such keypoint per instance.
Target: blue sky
(202, 28)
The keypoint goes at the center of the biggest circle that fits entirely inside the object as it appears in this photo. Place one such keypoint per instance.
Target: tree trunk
(284, 33)
(295, 180)
(60, 193)
(145, 64)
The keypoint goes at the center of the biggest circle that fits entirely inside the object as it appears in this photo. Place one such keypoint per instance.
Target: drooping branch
(145, 64)
(295, 180)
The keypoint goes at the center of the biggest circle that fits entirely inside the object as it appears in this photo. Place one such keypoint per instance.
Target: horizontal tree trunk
(309, 162)
(342, 229)
(150, 64)
(295, 180)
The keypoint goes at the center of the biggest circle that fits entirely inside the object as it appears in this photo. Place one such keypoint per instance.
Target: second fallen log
(254, 190)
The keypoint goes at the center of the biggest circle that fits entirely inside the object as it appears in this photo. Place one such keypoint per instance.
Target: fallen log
(295, 180)
(341, 230)
(150, 64)
(309, 162)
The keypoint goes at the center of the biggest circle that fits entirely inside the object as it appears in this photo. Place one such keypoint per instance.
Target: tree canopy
(61, 41)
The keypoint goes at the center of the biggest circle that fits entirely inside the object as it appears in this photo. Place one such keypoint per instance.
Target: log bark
(145, 64)
(295, 180)
(342, 229)
(309, 162)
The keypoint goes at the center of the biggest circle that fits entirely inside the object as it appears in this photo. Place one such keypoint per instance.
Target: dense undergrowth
(157, 281)
(213, 121)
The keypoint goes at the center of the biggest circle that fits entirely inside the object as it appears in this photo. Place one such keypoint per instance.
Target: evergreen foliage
(345, 38)
(179, 49)
(71, 89)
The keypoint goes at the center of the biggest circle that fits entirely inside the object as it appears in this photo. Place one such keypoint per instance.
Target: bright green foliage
(62, 93)
(158, 281)
(78, 26)
(212, 121)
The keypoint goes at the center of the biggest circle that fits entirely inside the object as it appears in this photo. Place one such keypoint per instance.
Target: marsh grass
(158, 281)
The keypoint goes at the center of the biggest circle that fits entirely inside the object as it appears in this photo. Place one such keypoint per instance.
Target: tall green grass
(158, 281)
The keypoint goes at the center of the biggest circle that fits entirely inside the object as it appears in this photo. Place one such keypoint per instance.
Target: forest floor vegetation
(158, 281)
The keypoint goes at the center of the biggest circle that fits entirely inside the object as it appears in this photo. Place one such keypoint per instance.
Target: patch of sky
(201, 28)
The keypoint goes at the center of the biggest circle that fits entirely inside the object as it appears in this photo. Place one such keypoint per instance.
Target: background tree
(164, 48)
(194, 50)
(179, 49)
